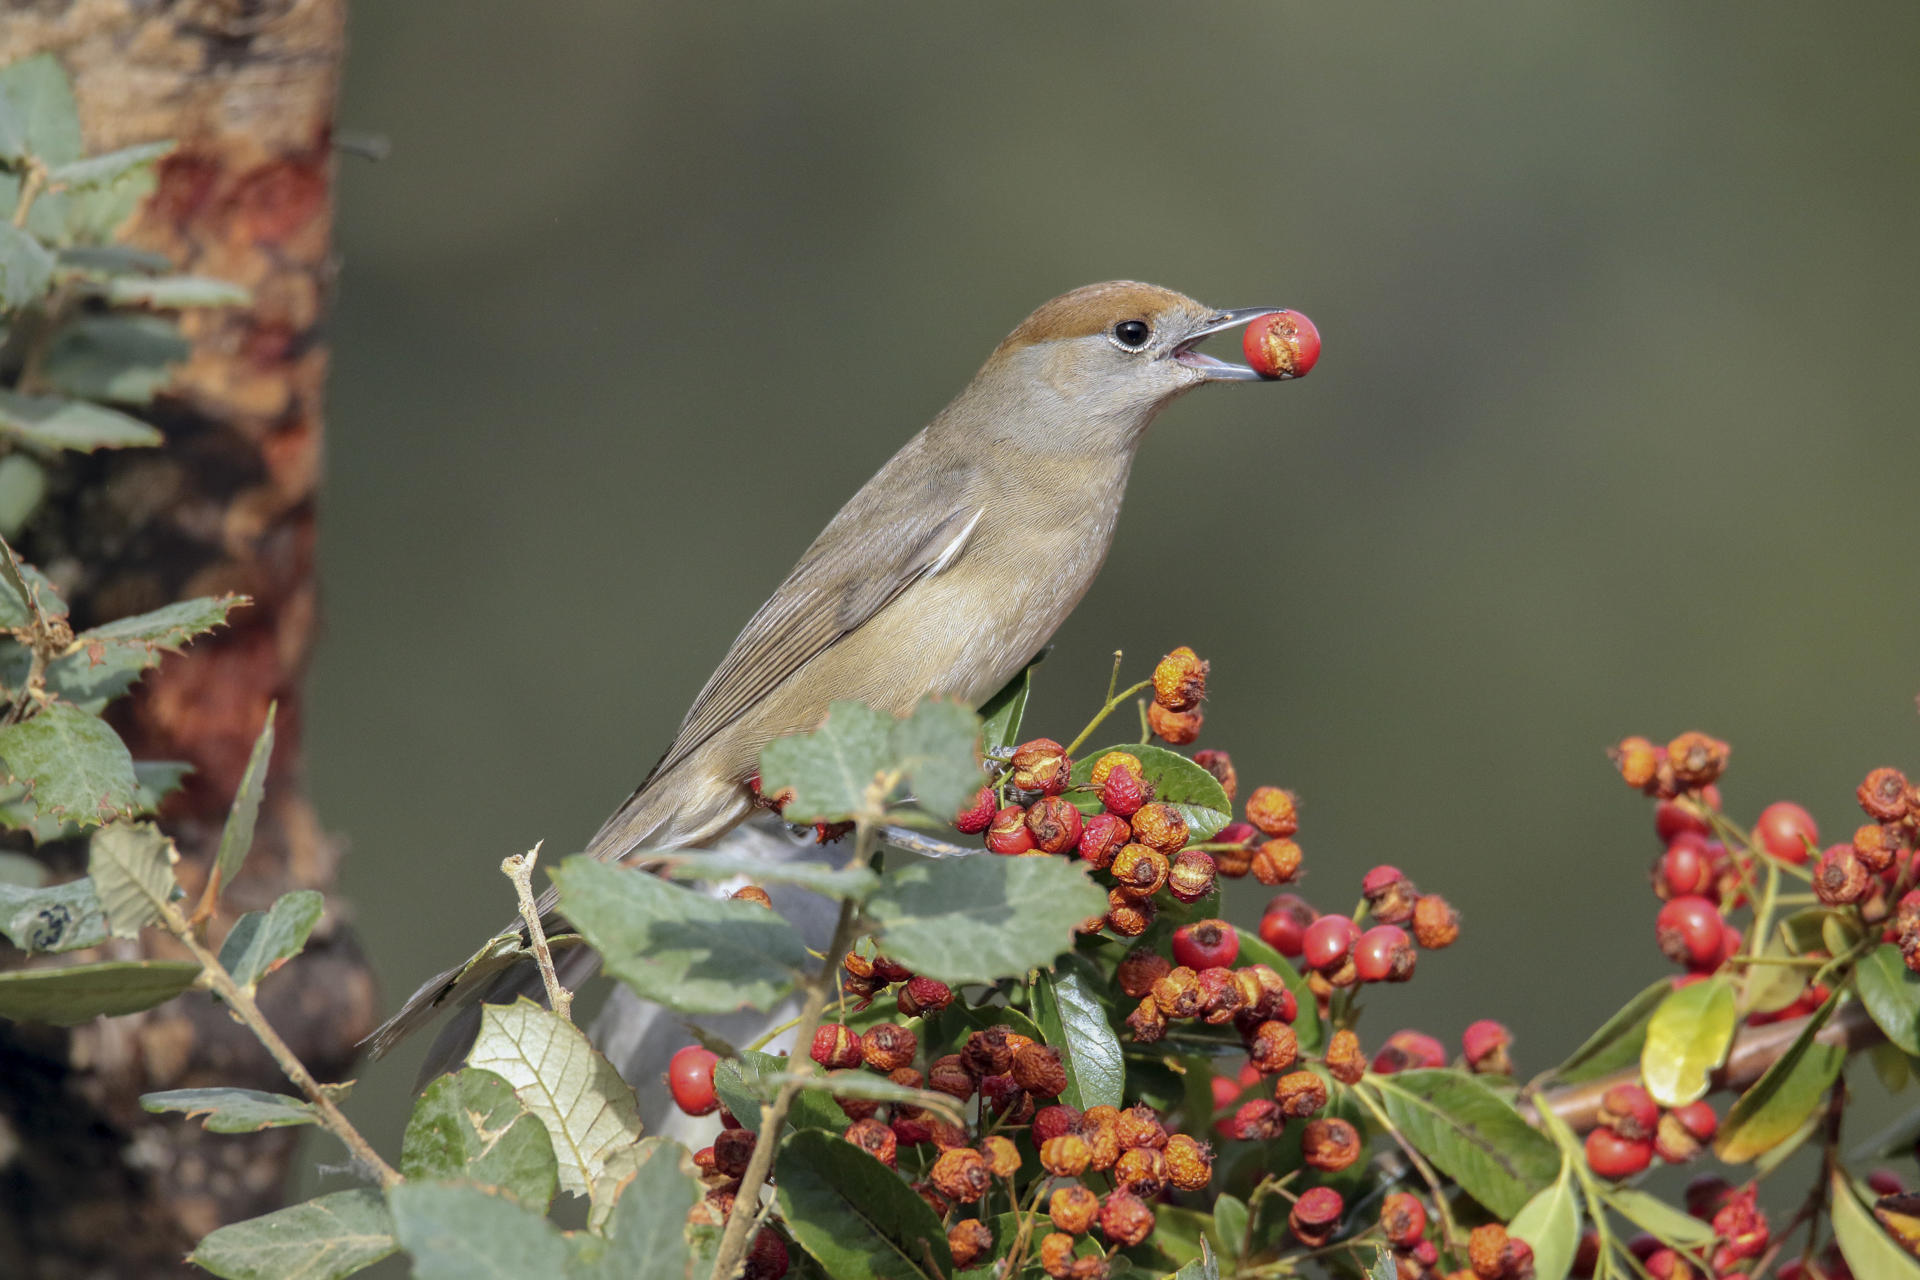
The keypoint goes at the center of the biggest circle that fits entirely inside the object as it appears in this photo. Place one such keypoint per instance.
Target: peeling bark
(89, 1184)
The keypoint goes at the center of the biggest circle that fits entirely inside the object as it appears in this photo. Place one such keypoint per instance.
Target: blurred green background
(1613, 432)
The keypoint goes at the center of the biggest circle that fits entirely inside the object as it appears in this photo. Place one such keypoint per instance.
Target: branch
(519, 869)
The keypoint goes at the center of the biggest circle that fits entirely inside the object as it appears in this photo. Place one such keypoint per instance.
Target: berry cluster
(1633, 1129)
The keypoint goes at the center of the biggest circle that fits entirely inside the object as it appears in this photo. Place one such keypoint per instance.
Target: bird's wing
(860, 563)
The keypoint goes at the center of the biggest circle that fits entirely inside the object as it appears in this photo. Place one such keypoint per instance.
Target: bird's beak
(1221, 370)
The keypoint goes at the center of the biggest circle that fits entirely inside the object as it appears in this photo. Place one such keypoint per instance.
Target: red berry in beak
(1282, 344)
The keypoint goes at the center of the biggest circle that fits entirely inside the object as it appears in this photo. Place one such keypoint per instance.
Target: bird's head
(1101, 361)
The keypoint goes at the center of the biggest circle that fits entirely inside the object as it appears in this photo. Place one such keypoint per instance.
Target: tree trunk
(89, 1184)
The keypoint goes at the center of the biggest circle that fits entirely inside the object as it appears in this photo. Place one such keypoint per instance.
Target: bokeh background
(1614, 430)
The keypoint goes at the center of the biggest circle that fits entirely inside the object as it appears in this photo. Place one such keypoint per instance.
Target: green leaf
(589, 1111)
(132, 869)
(470, 1126)
(1000, 715)
(172, 293)
(80, 992)
(43, 110)
(108, 166)
(1786, 1094)
(1892, 1065)
(938, 748)
(854, 1215)
(23, 485)
(112, 259)
(865, 1084)
(13, 134)
(745, 1083)
(1204, 1267)
(984, 918)
(1550, 1222)
(51, 422)
(832, 770)
(720, 864)
(25, 592)
(236, 838)
(63, 917)
(1687, 1038)
(1176, 780)
(1230, 1225)
(26, 268)
(647, 1236)
(170, 626)
(679, 947)
(261, 941)
(74, 765)
(1891, 993)
(1068, 1009)
(458, 1232)
(1307, 1026)
(17, 870)
(1781, 1152)
(1659, 1219)
(1869, 1251)
(1618, 1041)
(327, 1238)
(1471, 1134)
(233, 1110)
(122, 358)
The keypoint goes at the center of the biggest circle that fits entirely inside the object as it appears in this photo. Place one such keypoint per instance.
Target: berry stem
(1449, 1229)
(1111, 705)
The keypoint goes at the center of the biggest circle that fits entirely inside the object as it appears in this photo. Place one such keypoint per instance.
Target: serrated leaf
(1068, 1010)
(74, 765)
(470, 1126)
(326, 1238)
(170, 626)
(458, 1232)
(831, 770)
(81, 992)
(854, 1215)
(62, 917)
(721, 864)
(647, 1234)
(1000, 715)
(1891, 993)
(43, 109)
(1659, 1219)
(1687, 1039)
(236, 838)
(1471, 1134)
(1550, 1222)
(233, 1110)
(132, 869)
(679, 947)
(108, 166)
(1176, 780)
(589, 1111)
(261, 941)
(1780, 1102)
(173, 293)
(25, 592)
(26, 268)
(54, 422)
(938, 748)
(122, 358)
(1869, 1251)
(981, 919)
(1618, 1041)
(1307, 1025)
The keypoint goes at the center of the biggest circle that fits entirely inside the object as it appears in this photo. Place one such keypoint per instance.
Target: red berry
(1629, 1111)
(1485, 1044)
(1384, 953)
(1885, 1182)
(1671, 818)
(1009, 834)
(1699, 1119)
(976, 817)
(1226, 1091)
(1327, 941)
(1612, 1156)
(1784, 830)
(1206, 944)
(1281, 344)
(1123, 792)
(1691, 932)
(1409, 1051)
(1685, 868)
(1284, 926)
(690, 1080)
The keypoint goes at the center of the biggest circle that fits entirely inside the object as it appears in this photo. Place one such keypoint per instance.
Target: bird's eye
(1132, 334)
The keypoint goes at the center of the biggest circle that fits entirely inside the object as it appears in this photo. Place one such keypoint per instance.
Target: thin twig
(30, 188)
(1449, 1229)
(1112, 704)
(519, 869)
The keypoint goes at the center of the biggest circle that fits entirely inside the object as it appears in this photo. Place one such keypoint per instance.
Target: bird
(943, 576)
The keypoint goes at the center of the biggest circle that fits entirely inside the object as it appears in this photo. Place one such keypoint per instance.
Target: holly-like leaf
(1067, 1007)
(62, 917)
(1176, 780)
(854, 1215)
(1550, 1223)
(233, 1110)
(831, 770)
(589, 1111)
(459, 1232)
(679, 947)
(1687, 1039)
(1472, 1135)
(1780, 1102)
(327, 1238)
(236, 838)
(1891, 993)
(132, 869)
(54, 422)
(1659, 1219)
(721, 864)
(1869, 1251)
(74, 765)
(938, 748)
(980, 919)
(169, 626)
(122, 358)
(26, 268)
(1619, 1040)
(261, 941)
(470, 1126)
(80, 992)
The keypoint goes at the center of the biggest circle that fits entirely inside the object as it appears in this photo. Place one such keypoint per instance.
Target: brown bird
(944, 575)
